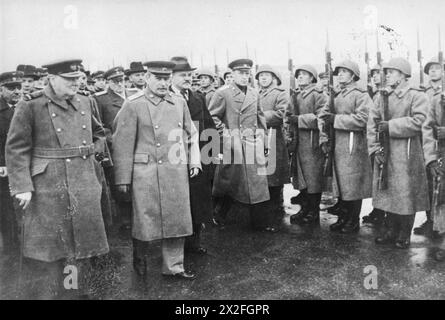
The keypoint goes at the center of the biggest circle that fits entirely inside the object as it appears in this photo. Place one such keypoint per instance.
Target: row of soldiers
(65, 148)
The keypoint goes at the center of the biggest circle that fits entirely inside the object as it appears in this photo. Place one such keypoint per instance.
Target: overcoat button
(82, 113)
(158, 144)
(156, 126)
(84, 127)
(53, 115)
(59, 130)
(84, 157)
(68, 160)
(160, 161)
(84, 142)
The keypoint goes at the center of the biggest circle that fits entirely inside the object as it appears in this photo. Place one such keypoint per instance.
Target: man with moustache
(50, 158)
(10, 95)
(150, 125)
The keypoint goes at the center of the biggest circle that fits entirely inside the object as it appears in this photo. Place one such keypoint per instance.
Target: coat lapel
(50, 94)
(238, 97)
(249, 99)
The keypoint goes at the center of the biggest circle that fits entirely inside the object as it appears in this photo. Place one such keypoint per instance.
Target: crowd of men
(81, 152)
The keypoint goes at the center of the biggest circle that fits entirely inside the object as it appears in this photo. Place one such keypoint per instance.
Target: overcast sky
(105, 31)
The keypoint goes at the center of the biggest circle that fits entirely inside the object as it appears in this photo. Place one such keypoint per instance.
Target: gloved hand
(436, 169)
(266, 151)
(440, 132)
(122, 192)
(293, 120)
(325, 147)
(383, 126)
(379, 158)
(328, 118)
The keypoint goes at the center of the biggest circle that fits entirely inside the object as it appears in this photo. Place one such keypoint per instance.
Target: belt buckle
(82, 153)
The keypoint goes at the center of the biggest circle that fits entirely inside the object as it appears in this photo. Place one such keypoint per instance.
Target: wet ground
(296, 263)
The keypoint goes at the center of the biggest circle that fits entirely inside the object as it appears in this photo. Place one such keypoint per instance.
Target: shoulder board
(362, 90)
(136, 95)
(32, 95)
(279, 88)
(318, 89)
(417, 89)
(100, 93)
(226, 86)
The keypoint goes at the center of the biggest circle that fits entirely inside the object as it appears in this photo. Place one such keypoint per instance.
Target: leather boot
(300, 199)
(352, 225)
(390, 228)
(403, 240)
(337, 208)
(343, 217)
(313, 217)
(299, 216)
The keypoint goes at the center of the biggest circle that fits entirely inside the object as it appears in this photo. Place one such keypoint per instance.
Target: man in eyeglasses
(109, 103)
(10, 94)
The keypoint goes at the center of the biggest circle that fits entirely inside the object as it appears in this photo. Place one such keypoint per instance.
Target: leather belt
(63, 153)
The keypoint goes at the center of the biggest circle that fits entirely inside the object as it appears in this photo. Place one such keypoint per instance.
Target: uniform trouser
(258, 212)
(172, 253)
(314, 200)
(123, 209)
(266, 213)
(353, 208)
(194, 241)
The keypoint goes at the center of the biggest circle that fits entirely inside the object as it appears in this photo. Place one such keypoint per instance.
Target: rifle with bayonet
(438, 192)
(329, 129)
(419, 59)
(382, 137)
(368, 71)
(293, 129)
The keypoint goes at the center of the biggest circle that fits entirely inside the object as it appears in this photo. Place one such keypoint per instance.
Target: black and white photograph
(222, 155)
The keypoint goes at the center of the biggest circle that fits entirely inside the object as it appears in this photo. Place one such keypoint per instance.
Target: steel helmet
(400, 64)
(351, 66)
(307, 68)
(268, 68)
(434, 60)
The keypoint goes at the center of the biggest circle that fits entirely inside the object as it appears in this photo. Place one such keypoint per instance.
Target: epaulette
(85, 93)
(136, 95)
(362, 90)
(415, 88)
(100, 93)
(32, 95)
(223, 87)
(279, 88)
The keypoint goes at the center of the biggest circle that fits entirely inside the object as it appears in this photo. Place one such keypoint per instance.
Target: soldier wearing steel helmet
(435, 73)
(274, 101)
(352, 166)
(207, 79)
(376, 216)
(309, 99)
(406, 191)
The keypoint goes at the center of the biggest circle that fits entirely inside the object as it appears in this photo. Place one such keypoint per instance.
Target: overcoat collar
(52, 97)
(155, 99)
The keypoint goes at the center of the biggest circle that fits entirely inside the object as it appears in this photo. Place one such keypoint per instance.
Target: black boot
(343, 217)
(300, 199)
(313, 216)
(390, 229)
(426, 228)
(298, 217)
(337, 208)
(352, 225)
(376, 217)
(406, 226)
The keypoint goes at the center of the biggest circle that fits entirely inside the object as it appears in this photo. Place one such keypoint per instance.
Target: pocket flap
(140, 158)
(38, 168)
